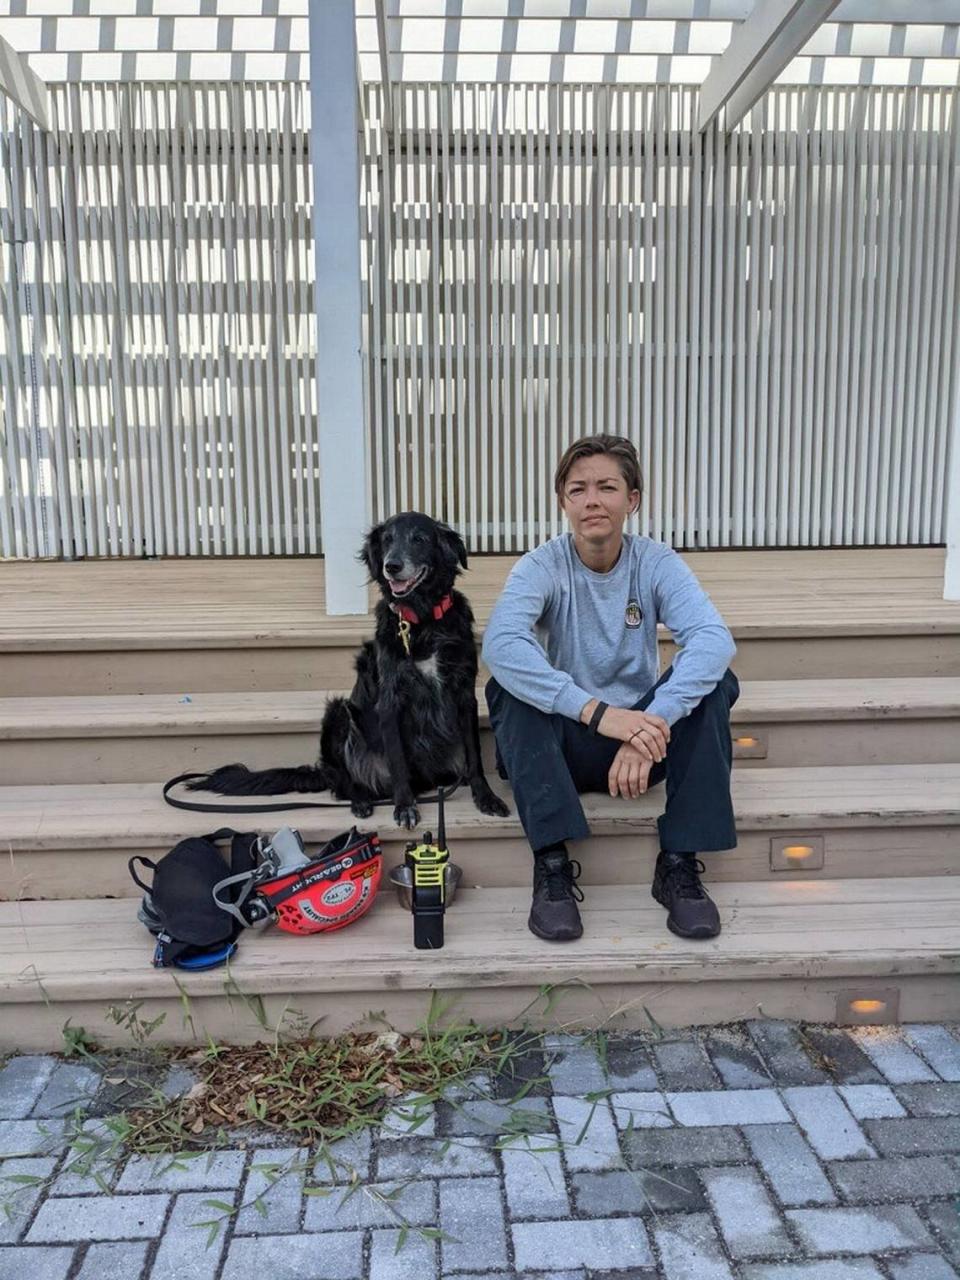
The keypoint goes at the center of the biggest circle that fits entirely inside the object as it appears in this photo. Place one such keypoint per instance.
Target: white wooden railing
(772, 315)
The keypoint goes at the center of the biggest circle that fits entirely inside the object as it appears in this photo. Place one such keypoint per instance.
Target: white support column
(759, 49)
(951, 577)
(334, 151)
(23, 86)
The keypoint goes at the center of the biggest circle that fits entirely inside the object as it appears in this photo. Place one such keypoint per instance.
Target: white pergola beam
(383, 49)
(761, 46)
(23, 86)
(335, 155)
(551, 11)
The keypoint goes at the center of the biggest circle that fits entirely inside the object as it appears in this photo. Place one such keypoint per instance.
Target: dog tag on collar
(404, 629)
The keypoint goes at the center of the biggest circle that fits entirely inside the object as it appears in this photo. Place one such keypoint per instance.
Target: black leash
(196, 807)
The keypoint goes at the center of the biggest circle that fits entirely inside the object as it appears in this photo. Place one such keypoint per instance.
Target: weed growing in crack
(291, 1086)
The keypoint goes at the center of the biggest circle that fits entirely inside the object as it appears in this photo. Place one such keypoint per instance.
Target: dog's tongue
(400, 586)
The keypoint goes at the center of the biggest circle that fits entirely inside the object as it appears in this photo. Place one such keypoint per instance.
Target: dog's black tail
(238, 780)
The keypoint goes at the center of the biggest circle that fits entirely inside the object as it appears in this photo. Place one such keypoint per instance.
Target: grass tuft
(311, 1090)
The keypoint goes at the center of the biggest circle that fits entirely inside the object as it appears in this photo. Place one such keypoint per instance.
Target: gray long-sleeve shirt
(561, 634)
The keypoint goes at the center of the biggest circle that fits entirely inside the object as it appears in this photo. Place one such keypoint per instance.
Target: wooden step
(220, 624)
(788, 949)
(129, 738)
(870, 821)
(82, 668)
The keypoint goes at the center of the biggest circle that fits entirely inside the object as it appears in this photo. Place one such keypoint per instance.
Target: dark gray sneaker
(676, 886)
(554, 915)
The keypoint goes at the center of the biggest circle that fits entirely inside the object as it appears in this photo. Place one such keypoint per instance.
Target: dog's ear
(452, 546)
(371, 554)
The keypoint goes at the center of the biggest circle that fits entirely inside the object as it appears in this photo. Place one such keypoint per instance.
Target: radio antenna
(441, 823)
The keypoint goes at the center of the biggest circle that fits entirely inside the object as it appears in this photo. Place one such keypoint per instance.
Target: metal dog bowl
(401, 877)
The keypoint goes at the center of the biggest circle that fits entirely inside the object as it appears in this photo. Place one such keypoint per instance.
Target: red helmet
(334, 888)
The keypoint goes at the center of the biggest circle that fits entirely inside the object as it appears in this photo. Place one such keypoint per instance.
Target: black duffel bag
(178, 908)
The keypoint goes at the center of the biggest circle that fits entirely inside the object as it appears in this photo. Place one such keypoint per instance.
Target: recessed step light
(749, 745)
(797, 853)
(867, 1007)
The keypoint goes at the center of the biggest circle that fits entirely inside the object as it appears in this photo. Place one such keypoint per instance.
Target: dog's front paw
(406, 815)
(361, 808)
(487, 801)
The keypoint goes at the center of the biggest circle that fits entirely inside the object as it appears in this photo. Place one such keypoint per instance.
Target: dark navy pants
(550, 759)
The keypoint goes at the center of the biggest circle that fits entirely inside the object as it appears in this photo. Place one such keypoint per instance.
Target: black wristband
(597, 716)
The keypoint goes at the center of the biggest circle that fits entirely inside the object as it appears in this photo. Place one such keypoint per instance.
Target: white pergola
(761, 45)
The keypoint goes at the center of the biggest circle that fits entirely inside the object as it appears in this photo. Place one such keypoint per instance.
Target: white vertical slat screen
(157, 340)
(772, 315)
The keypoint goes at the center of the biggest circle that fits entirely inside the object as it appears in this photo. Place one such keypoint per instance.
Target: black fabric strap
(197, 807)
(594, 725)
(136, 879)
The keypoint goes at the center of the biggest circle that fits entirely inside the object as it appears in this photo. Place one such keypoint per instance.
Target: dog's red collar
(408, 615)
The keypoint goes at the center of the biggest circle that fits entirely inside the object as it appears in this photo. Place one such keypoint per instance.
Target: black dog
(410, 724)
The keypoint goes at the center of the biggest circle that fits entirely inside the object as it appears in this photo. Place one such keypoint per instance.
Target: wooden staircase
(844, 884)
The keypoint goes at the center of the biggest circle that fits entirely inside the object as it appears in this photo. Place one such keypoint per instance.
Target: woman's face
(596, 500)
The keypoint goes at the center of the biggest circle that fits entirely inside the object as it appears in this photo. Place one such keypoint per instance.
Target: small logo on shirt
(633, 614)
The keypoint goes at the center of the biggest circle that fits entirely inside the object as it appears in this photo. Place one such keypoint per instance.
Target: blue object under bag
(205, 959)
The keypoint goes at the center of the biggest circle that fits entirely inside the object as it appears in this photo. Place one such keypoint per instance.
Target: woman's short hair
(618, 447)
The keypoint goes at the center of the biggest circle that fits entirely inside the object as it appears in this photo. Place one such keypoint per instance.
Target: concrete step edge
(293, 711)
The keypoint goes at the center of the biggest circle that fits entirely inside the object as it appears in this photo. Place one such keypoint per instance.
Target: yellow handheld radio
(428, 864)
